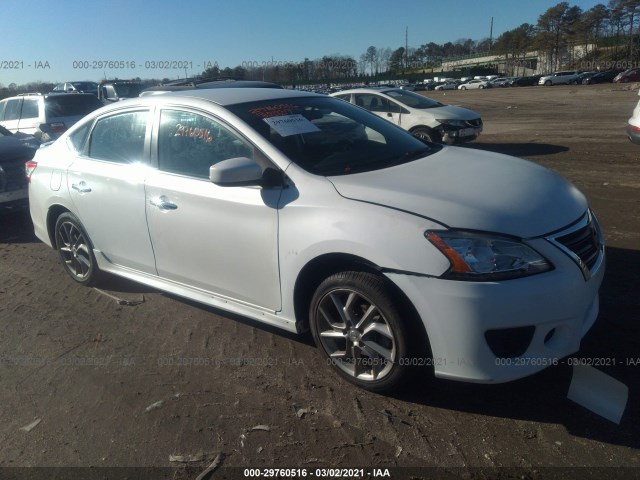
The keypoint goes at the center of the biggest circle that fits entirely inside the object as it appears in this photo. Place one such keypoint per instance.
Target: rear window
(70, 105)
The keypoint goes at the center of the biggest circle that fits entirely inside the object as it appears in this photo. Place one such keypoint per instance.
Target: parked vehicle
(630, 75)
(529, 81)
(45, 117)
(500, 82)
(602, 77)
(110, 91)
(558, 78)
(423, 117)
(474, 84)
(15, 150)
(447, 86)
(76, 87)
(633, 125)
(581, 77)
(303, 211)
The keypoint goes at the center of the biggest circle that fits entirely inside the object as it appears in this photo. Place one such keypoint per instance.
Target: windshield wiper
(409, 156)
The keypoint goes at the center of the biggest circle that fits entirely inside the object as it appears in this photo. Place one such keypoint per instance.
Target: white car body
(474, 84)
(558, 78)
(447, 86)
(436, 121)
(252, 249)
(633, 125)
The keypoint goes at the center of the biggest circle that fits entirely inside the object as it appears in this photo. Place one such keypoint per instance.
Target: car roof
(231, 96)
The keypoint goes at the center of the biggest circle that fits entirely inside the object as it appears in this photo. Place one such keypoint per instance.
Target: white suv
(45, 117)
(558, 78)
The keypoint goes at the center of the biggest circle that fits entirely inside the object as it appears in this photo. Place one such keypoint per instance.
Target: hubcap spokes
(356, 335)
(74, 250)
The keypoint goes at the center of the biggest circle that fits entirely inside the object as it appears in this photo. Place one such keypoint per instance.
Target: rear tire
(76, 250)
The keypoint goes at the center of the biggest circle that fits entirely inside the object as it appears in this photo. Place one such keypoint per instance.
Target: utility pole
(491, 35)
(406, 47)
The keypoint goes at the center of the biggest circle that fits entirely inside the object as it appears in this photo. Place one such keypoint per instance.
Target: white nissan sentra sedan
(306, 212)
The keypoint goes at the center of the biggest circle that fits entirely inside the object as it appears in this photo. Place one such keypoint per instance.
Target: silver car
(303, 211)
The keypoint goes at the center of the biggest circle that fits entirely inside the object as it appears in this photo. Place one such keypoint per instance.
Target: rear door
(11, 118)
(106, 184)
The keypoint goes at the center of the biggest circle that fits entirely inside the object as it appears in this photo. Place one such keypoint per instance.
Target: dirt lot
(131, 385)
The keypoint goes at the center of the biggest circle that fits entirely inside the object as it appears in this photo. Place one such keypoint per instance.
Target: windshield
(70, 105)
(327, 136)
(411, 99)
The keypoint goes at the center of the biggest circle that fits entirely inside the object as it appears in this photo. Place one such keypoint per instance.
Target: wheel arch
(323, 266)
(52, 216)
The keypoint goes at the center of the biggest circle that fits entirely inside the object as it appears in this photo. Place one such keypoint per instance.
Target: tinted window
(70, 105)
(2, 107)
(119, 138)
(376, 103)
(12, 111)
(327, 136)
(189, 144)
(30, 108)
(415, 100)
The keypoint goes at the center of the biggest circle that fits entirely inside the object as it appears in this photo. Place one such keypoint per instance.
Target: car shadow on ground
(15, 225)
(612, 346)
(518, 149)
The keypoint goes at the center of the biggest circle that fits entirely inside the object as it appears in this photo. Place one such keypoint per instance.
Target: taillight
(30, 167)
(58, 127)
(635, 129)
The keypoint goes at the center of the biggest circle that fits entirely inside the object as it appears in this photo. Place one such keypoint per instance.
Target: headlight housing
(486, 257)
(452, 123)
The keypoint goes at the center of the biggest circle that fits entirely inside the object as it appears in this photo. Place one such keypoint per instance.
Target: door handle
(81, 187)
(163, 203)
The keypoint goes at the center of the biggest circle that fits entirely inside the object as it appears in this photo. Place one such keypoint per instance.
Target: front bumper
(633, 133)
(560, 305)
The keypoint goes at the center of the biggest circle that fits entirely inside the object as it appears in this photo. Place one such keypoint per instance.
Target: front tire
(547, 83)
(75, 250)
(427, 135)
(360, 331)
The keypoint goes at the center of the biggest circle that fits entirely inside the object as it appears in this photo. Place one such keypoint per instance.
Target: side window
(3, 105)
(375, 103)
(30, 108)
(119, 138)
(189, 143)
(12, 111)
(77, 139)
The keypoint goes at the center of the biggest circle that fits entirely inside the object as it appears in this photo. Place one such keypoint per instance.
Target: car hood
(449, 112)
(472, 189)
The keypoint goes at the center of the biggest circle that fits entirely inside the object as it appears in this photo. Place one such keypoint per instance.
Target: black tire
(463, 88)
(547, 83)
(424, 133)
(480, 86)
(76, 250)
(360, 331)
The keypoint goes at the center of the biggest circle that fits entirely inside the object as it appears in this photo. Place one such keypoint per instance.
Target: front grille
(477, 122)
(12, 177)
(583, 242)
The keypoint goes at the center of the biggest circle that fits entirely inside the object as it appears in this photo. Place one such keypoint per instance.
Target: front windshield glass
(327, 136)
(411, 99)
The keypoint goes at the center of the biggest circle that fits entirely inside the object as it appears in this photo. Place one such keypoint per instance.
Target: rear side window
(77, 139)
(70, 105)
(119, 138)
(2, 107)
(30, 108)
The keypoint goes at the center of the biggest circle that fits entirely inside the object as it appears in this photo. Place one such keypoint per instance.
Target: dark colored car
(602, 77)
(525, 81)
(15, 151)
(579, 80)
